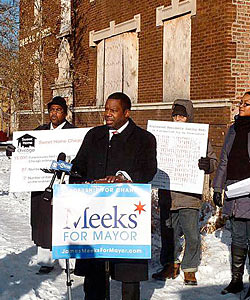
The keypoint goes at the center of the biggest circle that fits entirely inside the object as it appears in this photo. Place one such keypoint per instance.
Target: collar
(58, 127)
(120, 130)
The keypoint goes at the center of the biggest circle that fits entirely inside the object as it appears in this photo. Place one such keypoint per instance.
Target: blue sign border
(102, 251)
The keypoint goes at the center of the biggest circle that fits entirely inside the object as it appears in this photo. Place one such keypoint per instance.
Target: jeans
(181, 222)
(240, 231)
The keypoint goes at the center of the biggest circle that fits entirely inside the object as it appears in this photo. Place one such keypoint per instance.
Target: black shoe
(234, 287)
(238, 262)
(45, 270)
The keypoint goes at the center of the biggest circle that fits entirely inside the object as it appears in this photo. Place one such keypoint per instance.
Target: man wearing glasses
(41, 210)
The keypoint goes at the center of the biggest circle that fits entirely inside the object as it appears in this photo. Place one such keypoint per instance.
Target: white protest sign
(101, 221)
(179, 147)
(37, 149)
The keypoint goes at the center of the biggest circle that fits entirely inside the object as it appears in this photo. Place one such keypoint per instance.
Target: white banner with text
(37, 149)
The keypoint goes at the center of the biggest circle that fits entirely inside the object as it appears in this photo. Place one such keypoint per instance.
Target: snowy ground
(18, 279)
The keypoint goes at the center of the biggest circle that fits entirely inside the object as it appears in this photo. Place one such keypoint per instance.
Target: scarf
(238, 166)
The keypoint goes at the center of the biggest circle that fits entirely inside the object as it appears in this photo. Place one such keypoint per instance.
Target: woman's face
(244, 105)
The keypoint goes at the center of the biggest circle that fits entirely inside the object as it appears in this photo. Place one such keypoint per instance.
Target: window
(176, 58)
(117, 66)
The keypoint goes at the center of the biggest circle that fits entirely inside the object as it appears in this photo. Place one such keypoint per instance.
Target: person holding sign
(41, 210)
(179, 215)
(235, 166)
(116, 152)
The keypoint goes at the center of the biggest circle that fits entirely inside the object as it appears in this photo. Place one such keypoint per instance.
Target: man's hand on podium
(113, 179)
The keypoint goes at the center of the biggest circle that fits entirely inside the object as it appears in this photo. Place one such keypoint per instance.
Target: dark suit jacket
(41, 210)
(133, 151)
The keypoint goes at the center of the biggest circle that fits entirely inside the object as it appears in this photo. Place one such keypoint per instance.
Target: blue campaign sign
(102, 221)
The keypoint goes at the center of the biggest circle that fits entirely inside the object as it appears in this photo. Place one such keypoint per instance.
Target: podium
(108, 221)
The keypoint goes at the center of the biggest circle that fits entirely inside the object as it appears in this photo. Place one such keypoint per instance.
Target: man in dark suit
(115, 152)
(41, 210)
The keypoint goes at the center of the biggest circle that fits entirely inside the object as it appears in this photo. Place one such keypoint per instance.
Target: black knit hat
(58, 100)
(179, 110)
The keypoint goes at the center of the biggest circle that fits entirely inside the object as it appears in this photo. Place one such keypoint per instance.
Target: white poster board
(101, 221)
(36, 149)
(179, 147)
(238, 189)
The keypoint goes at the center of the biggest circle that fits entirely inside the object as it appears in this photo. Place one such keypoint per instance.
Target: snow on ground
(18, 278)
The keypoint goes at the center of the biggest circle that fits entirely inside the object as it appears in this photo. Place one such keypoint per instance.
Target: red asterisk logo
(140, 207)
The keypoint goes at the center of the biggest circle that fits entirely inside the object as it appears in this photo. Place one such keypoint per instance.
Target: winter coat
(240, 206)
(41, 210)
(176, 200)
(132, 151)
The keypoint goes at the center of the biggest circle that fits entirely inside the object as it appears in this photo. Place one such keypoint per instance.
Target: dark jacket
(238, 207)
(41, 210)
(177, 200)
(133, 151)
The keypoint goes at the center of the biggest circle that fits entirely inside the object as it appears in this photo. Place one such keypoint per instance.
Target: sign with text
(179, 147)
(37, 149)
(102, 221)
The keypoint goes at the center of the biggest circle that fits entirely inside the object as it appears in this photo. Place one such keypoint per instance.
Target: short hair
(247, 93)
(125, 100)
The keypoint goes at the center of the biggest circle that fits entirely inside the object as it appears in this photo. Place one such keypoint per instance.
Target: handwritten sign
(179, 147)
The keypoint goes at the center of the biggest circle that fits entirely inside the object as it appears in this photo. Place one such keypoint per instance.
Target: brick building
(155, 51)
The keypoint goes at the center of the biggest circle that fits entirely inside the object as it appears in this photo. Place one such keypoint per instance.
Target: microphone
(48, 193)
(66, 169)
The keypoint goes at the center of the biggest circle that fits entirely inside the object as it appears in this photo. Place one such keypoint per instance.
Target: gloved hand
(9, 150)
(217, 198)
(204, 164)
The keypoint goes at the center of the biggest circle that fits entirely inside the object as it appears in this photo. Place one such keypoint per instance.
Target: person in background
(179, 215)
(116, 152)
(41, 210)
(234, 166)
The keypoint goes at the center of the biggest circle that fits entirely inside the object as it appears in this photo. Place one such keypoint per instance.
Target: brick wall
(212, 50)
(241, 36)
(211, 54)
(48, 48)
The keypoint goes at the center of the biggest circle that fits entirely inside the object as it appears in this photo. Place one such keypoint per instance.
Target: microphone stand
(107, 283)
(69, 280)
(48, 195)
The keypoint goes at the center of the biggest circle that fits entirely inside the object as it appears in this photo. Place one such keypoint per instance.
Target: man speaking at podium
(119, 151)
